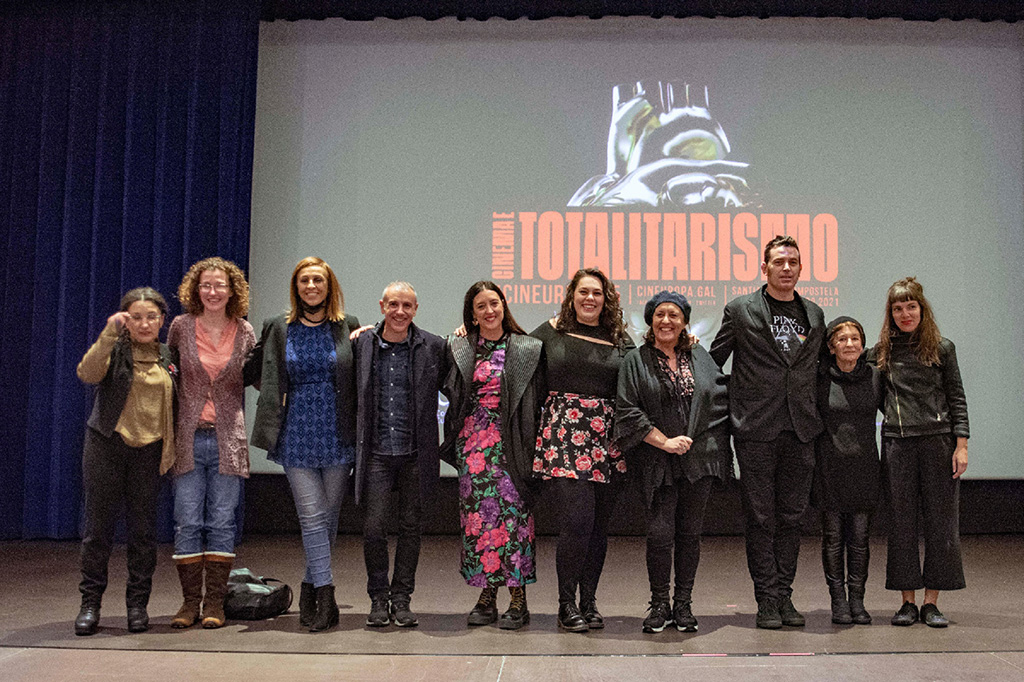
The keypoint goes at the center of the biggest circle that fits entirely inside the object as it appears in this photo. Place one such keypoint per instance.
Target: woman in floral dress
(489, 439)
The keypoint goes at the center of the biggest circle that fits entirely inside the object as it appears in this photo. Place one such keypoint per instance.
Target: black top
(575, 365)
(847, 470)
(923, 400)
(789, 325)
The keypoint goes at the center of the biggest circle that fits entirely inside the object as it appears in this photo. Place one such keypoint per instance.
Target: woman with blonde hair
(306, 419)
(924, 452)
(212, 339)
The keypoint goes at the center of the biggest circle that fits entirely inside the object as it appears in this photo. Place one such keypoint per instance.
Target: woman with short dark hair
(847, 471)
(129, 444)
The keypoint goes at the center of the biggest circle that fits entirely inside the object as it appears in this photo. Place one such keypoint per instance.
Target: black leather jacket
(922, 400)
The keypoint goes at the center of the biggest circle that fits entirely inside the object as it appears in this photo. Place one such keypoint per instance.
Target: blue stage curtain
(126, 138)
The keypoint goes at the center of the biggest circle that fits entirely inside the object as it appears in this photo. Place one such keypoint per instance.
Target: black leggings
(674, 524)
(585, 510)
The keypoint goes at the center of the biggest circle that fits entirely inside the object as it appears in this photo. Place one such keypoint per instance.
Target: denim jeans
(205, 501)
(318, 495)
(383, 474)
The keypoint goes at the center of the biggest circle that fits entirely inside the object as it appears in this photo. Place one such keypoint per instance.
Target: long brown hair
(611, 313)
(508, 323)
(924, 340)
(335, 301)
(188, 291)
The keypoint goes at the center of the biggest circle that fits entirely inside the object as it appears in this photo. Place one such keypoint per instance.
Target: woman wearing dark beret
(847, 470)
(672, 420)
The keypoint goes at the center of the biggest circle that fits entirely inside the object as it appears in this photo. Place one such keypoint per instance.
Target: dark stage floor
(984, 642)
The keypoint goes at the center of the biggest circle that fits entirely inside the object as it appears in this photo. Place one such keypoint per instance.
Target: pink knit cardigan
(227, 391)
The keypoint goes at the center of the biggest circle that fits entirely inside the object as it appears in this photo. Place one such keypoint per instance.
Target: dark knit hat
(666, 296)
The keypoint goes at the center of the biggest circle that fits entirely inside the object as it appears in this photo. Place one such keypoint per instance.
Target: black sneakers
(768, 617)
(659, 616)
(380, 613)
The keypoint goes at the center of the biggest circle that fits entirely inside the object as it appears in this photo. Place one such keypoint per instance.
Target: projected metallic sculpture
(665, 151)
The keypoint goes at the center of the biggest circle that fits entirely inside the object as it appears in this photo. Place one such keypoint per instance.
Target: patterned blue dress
(310, 437)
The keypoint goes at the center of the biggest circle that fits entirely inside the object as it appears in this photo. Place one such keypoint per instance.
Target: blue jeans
(205, 502)
(318, 495)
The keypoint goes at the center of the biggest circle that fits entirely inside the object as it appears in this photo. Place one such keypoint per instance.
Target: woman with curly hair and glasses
(583, 348)
(212, 339)
(924, 452)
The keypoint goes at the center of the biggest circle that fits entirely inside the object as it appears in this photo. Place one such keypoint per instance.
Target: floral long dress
(497, 542)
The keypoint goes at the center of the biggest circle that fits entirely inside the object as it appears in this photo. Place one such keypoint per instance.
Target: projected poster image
(676, 207)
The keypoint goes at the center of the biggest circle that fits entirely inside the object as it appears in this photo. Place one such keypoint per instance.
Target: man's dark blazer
(763, 384)
(428, 354)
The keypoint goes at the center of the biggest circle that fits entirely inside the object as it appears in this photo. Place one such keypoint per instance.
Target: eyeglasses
(219, 288)
(152, 318)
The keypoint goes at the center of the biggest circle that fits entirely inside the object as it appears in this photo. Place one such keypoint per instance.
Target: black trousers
(585, 509)
(674, 524)
(385, 473)
(919, 476)
(115, 474)
(775, 481)
(845, 534)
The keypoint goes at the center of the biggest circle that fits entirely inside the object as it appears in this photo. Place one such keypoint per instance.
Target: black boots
(88, 620)
(570, 619)
(326, 615)
(517, 614)
(307, 604)
(840, 606)
(857, 611)
(486, 610)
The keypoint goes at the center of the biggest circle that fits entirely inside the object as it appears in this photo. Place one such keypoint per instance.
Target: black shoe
(768, 617)
(88, 621)
(932, 617)
(326, 615)
(683, 617)
(659, 616)
(380, 612)
(517, 614)
(138, 619)
(595, 621)
(486, 610)
(789, 615)
(570, 619)
(307, 604)
(907, 615)
(402, 615)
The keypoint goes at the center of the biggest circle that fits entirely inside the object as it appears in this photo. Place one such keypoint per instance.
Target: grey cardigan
(520, 402)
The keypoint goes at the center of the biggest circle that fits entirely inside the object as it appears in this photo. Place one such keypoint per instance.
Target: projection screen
(665, 152)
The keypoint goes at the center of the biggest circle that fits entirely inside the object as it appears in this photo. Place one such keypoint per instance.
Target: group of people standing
(572, 410)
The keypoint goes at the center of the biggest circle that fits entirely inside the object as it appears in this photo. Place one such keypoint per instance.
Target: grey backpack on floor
(253, 597)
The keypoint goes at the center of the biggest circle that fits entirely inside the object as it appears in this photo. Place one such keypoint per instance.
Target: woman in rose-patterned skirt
(583, 348)
(489, 438)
